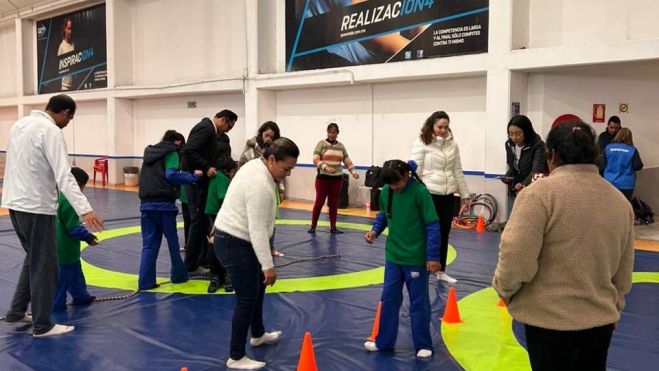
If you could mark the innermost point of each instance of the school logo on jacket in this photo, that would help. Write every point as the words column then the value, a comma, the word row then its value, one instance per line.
column 415, row 275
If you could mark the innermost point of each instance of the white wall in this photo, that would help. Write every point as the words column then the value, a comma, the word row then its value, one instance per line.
column 86, row 133
column 8, row 115
column 380, row 122
column 569, row 23
column 576, row 90
column 152, row 117
column 8, row 61
column 181, row 41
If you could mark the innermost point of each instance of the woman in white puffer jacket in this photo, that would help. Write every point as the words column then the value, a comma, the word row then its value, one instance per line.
column 438, row 159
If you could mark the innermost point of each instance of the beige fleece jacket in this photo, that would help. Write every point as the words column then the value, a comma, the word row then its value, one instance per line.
column 566, row 255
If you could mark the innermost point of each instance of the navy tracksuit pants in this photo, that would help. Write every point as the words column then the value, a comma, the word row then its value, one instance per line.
column 416, row 280
column 155, row 224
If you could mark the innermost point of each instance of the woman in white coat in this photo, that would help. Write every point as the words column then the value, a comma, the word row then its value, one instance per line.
column 438, row 159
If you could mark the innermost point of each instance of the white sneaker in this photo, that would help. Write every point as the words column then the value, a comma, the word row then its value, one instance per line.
column 370, row 346
column 445, row 277
column 424, row 353
column 56, row 330
column 266, row 338
column 244, row 364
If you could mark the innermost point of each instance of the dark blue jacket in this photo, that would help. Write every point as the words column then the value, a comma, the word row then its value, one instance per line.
column 621, row 163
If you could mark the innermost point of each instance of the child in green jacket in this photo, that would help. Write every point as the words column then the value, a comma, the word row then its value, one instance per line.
column 69, row 232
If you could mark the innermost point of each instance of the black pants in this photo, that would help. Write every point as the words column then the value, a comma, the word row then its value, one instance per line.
column 185, row 210
column 628, row 193
column 197, row 244
column 213, row 263
column 244, row 269
column 568, row 350
column 37, row 283
column 445, row 206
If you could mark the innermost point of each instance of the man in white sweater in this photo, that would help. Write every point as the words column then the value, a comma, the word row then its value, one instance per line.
column 244, row 225
column 36, row 168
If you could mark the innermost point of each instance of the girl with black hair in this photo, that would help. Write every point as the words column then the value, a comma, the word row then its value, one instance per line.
column 525, row 156
column 159, row 188
column 566, row 257
column 411, row 251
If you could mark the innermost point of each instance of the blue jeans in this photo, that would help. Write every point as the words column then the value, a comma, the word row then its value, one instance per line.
column 71, row 280
column 154, row 225
column 416, row 280
column 238, row 258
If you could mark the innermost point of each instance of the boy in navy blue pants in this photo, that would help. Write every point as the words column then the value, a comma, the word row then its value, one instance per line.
column 69, row 232
column 411, row 251
column 159, row 182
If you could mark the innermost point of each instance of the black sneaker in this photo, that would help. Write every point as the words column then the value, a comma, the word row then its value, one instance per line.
column 228, row 287
column 214, row 284
column 336, row 231
column 312, row 230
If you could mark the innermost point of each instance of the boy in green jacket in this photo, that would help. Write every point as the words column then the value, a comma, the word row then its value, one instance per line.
column 69, row 232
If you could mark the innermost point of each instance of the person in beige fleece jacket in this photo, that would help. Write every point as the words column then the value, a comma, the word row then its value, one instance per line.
column 566, row 257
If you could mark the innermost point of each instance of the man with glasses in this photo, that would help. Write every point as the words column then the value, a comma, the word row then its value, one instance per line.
column 606, row 137
column 206, row 142
column 37, row 167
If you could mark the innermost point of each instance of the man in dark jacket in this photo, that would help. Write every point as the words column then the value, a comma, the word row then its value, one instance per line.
column 606, row 137
column 159, row 189
column 206, row 141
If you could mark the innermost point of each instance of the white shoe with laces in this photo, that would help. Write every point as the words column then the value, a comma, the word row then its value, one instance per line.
column 424, row 353
column 56, row 330
column 266, row 338
column 244, row 364
column 442, row 276
column 370, row 346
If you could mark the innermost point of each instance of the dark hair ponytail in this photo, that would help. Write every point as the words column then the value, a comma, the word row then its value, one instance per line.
column 393, row 171
column 573, row 143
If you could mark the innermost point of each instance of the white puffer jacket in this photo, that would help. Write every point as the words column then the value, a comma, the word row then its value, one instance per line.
column 439, row 166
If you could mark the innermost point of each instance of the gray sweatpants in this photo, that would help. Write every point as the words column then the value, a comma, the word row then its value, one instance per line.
column 38, row 280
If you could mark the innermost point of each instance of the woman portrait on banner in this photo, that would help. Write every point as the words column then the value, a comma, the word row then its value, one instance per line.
column 66, row 46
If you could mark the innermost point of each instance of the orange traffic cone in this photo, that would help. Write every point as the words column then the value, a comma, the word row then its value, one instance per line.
column 307, row 358
column 376, row 324
column 184, row 368
column 451, row 312
column 501, row 303
column 480, row 224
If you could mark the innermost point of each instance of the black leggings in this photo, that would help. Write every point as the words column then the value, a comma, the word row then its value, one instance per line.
column 445, row 206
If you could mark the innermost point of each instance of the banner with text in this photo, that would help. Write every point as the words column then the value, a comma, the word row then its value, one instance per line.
column 71, row 51
column 338, row 33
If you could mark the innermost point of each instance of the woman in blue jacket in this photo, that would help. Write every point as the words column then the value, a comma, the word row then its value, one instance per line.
column 621, row 162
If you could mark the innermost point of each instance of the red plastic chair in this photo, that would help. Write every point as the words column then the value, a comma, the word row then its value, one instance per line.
column 101, row 166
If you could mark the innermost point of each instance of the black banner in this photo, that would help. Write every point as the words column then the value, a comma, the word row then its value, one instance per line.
column 71, row 51
column 336, row 33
